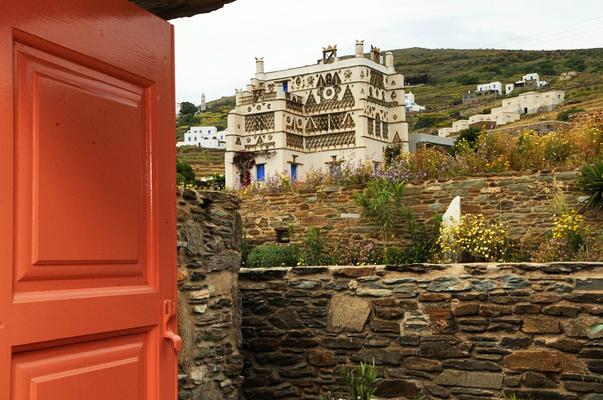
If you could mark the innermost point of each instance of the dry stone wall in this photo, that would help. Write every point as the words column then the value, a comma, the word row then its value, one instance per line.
column 525, row 202
column 446, row 331
column 209, row 240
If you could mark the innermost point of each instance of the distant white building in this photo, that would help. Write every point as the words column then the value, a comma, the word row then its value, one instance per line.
column 490, row 87
column 531, row 80
column 533, row 76
column 509, row 87
column 206, row 137
column 510, row 110
column 410, row 104
column 534, row 102
column 178, row 105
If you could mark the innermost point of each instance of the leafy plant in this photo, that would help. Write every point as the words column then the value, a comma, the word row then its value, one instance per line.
column 184, row 173
column 591, row 183
column 595, row 329
column 382, row 202
column 392, row 153
column 360, row 382
column 508, row 396
column 422, row 246
column 314, row 248
column 570, row 239
column 245, row 249
column 269, row 255
column 566, row 114
column 470, row 136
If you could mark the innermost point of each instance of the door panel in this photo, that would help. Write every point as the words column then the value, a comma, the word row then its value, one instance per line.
column 70, row 371
column 87, row 202
column 62, row 109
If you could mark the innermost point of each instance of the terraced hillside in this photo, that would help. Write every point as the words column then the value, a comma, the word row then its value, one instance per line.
column 439, row 77
column 205, row 162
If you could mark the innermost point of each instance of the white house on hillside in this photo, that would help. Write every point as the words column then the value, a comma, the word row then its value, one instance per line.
column 509, row 87
column 510, row 110
column 490, row 87
column 206, row 137
column 409, row 103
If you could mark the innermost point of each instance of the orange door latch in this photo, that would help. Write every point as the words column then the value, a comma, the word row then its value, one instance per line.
column 169, row 319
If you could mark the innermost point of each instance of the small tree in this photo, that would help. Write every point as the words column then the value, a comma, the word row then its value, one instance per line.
column 382, row 201
column 184, row 173
column 470, row 136
column 187, row 108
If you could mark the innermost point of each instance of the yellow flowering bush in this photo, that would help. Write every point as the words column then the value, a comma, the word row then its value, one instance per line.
column 570, row 239
column 568, row 225
column 473, row 239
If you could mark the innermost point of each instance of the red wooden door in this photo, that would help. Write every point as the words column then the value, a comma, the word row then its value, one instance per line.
column 87, row 202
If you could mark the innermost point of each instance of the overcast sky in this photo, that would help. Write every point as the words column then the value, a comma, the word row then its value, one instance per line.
column 215, row 52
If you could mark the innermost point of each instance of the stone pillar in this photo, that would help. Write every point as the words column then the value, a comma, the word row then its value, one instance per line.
column 359, row 48
column 210, row 365
column 389, row 59
column 259, row 67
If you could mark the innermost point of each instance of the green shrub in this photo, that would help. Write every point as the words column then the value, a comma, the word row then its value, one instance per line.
column 395, row 256
column 566, row 114
column 469, row 136
column 382, row 202
column 422, row 246
column 468, row 80
column 245, row 250
column 547, row 68
column 314, row 250
column 576, row 63
column 591, row 183
column 358, row 383
column 269, row 255
column 428, row 121
column 392, row 153
column 184, row 173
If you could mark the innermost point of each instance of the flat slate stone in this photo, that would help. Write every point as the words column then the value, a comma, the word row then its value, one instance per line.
column 481, row 380
column 348, row 313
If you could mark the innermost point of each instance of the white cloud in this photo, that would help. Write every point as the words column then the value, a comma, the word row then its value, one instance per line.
column 215, row 52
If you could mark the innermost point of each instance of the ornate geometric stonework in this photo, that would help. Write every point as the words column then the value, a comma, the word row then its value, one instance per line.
column 377, row 79
column 331, row 140
column 329, row 100
column 295, row 141
column 259, row 122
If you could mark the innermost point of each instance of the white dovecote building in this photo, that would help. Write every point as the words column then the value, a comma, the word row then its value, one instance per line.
column 315, row 117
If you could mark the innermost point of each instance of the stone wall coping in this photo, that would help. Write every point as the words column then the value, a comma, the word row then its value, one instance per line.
column 573, row 269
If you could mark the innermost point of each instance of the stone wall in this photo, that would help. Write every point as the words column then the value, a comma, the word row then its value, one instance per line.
column 448, row 331
column 525, row 202
column 209, row 240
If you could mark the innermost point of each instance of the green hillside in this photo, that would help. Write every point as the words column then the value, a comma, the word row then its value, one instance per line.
column 215, row 115
column 448, row 73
